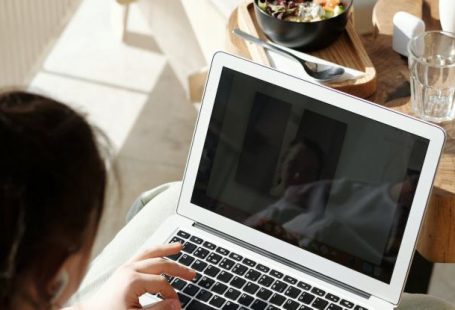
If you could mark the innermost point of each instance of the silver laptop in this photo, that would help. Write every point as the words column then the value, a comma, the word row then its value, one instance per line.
column 297, row 196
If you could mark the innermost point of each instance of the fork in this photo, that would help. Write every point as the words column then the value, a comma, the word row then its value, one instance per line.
column 317, row 71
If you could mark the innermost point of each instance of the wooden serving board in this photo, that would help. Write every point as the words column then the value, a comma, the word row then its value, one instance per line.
column 347, row 51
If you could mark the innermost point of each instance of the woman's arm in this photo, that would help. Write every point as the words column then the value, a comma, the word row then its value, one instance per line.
column 142, row 274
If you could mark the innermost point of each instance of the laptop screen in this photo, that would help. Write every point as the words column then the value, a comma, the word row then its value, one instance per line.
column 321, row 178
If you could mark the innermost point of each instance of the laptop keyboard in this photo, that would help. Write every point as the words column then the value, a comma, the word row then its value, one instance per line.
column 229, row 281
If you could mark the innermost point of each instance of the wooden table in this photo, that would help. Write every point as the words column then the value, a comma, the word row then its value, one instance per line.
column 437, row 237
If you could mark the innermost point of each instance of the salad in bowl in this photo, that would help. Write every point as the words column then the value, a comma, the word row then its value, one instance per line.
column 302, row 11
column 303, row 24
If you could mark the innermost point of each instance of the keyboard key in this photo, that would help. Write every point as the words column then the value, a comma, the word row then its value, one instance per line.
column 183, row 299
column 258, row 305
column 304, row 285
column 334, row 307
column 332, row 297
column 306, row 298
column 204, row 295
column 214, row 258
column 320, row 304
column 272, row 307
column 226, row 263
column 252, row 275
column 229, row 305
column 232, row 293
column 317, row 291
column 249, row 262
column 217, row 301
column 186, row 260
column 222, row 251
column 235, row 256
column 239, row 269
column 225, row 276
column 291, row 305
column 197, row 277
column 191, row 289
column 178, row 284
column 219, row 288
column 175, row 256
column 265, row 280
column 245, row 300
column 211, row 271
column 197, row 305
column 346, row 303
column 279, row 286
column 238, row 282
column 262, row 268
column 199, row 265
column 189, row 247
column 290, row 280
column 206, row 282
column 303, row 307
column 196, row 240
column 292, row 292
column 201, row 253
column 277, row 299
column 209, row 245
column 251, row 288
column 360, row 308
column 264, row 293
column 183, row 234
column 177, row 239
column 276, row 274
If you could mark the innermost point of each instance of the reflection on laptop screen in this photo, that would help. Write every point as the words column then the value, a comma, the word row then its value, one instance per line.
column 316, row 176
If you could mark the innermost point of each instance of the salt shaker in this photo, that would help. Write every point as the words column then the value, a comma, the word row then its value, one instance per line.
column 405, row 27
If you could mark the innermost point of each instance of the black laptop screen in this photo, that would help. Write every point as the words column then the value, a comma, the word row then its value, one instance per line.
column 316, row 176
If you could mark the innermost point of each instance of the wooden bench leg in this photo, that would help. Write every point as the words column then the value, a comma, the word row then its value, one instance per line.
column 196, row 82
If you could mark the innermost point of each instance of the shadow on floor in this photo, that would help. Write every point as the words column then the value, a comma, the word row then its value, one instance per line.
column 154, row 152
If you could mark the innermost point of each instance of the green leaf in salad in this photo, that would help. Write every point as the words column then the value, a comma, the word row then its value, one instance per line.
column 338, row 10
column 262, row 4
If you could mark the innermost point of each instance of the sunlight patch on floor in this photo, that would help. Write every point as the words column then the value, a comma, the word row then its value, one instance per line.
column 91, row 69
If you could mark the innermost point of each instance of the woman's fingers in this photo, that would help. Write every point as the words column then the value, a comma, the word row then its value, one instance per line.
column 160, row 265
column 159, row 251
column 148, row 283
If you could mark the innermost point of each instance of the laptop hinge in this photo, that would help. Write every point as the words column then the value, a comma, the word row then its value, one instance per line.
column 282, row 260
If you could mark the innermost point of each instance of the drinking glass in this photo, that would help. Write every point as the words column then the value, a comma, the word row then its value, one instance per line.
column 432, row 69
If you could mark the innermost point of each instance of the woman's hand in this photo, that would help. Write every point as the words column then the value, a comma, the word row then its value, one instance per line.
column 140, row 275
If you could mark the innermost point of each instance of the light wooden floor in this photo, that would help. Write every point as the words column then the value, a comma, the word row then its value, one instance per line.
column 133, row 90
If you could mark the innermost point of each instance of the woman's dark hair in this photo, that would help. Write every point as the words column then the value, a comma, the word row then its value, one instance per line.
column 52, row 183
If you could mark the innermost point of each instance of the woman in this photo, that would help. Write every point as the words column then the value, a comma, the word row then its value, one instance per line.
column 52, row 185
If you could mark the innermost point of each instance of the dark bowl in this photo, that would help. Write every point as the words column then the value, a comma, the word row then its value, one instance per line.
column 304, row 36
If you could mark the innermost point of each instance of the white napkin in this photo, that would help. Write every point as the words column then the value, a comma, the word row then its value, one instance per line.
column 286, row 64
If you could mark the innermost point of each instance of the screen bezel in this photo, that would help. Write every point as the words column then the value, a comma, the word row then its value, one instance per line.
column 390, row 292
